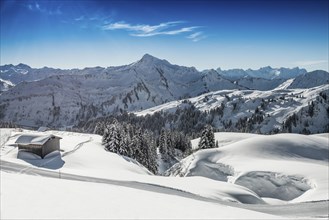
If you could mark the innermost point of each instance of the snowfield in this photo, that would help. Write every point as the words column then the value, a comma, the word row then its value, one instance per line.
column 248, row 176
column 43, row 198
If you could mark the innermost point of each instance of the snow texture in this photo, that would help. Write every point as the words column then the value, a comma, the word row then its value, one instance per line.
column 246, row 169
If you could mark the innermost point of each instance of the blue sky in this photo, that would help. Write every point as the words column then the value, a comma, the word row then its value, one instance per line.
column 205, row 34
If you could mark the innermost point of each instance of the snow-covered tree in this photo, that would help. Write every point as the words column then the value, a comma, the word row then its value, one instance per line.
column 203, row 143
column 163, row 147
column 144, row 150
column 211, row 137
column 149, row 151
column 207, row 139
column 99, row 128
column 113, row 138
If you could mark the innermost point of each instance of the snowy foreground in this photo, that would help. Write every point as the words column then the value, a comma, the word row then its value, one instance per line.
column 248, row 177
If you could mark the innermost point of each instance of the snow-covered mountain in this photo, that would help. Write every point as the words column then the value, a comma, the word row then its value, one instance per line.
column 54, row 97
column 264, row 72
column 5, row 85
column 310, row 79
column 285, row 110
column 60, row 100
column 22, row 72
column 259, row 83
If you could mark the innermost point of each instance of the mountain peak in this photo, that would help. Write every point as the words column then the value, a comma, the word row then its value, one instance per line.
column 150, row 60
column 23, row 66
column 266, row 68
column 148, row 57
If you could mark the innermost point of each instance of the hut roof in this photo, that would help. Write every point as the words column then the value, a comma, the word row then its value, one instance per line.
column 27, row 139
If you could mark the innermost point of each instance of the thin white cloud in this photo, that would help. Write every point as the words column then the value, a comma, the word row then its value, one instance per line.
column 81, row 18
column 37, row 7
column 197, row 36
column 91, row 21
column 309, row 62
column 172, row 32
column 145, row 30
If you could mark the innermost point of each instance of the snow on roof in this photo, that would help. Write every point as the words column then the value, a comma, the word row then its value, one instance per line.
column 34, row 139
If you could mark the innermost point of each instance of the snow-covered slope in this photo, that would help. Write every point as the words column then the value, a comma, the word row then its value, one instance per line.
column 264, row 111
column 110, row 186
column 259, row 83
column 84, row 200
column 83, row 154
column 5, row 85
column 311, row 79
column 288, row 167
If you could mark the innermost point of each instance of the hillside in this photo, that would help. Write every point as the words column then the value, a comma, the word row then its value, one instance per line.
column 311, row 79
column 278, row 110
column 83, row 169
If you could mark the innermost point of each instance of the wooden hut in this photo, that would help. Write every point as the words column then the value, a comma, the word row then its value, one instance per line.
column 38, row 144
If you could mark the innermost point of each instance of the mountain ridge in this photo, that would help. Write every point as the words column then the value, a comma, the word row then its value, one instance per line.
column 63, row 97
column 264, row 72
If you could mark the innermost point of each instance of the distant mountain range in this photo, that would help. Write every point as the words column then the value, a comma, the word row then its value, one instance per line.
column 23, row 72
column 265, row 73
column 55, row 97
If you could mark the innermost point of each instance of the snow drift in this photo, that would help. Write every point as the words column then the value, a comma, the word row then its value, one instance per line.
column 289, row 167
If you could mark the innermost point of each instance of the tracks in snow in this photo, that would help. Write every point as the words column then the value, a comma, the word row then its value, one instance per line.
column 77, row 147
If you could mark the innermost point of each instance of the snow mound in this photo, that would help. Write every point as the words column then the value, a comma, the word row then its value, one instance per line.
column 55, row 153
column 52, row 160
column 26, row 155
column 274, row 185
column 204, row 168
column 216, row 171
column 288, row 167
column 282, row 146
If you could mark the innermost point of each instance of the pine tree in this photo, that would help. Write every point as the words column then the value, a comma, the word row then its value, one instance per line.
column 153, row 165
column 106, row 133
column 207, row 139
column 203, row 143
column 113, row 138
column 136, row 146
column 126, row 140
column 170, row 144
column 211, row 137
column 149, row 152
column 99, row 128
column 163, row 148
column 144, row 151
